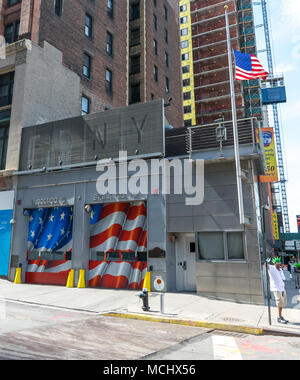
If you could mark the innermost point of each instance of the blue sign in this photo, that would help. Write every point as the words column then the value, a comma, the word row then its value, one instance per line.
column 5, row 234
column 273, row 95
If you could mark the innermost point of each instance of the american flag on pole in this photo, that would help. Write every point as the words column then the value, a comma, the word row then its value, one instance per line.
column 247, row 66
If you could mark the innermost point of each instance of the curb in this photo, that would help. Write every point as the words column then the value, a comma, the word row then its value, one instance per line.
column 269, row 331
column 192, row 323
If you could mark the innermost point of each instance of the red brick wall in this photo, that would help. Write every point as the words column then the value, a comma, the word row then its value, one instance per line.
column 67, row 34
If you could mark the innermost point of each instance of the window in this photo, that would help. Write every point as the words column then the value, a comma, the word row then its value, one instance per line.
column 135, row 95
column 188, row 123
column 166, row 36
column 108, row 80
column 235, row 246
column 134, row 37
column 221, row 246
column 167, row 85
column 134, row 11
column 154, row 22
column 110, row 8
column 3, row 145
column 87, row 63
column 6, row 88
column 155, row 3
column 186, row 69
column 109, row 43
column 88, row 30
column 184, row 32
column 135, row 64
column 85, row 105
column 187, row 95
column 155, row 47
column 9, row 3
column 185, row 57
column 187, row 109
column 165, row 13
column 167, row 59
column 184, row 44
column 11, row 32
column 183, row 20
column 183, row 8
column 58, row 5
column 155, row 73
column 186, row 82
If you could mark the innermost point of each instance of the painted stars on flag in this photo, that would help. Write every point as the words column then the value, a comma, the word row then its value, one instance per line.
column 50, row 229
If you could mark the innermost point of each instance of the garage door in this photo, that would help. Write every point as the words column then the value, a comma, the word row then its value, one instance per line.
column 118, row 245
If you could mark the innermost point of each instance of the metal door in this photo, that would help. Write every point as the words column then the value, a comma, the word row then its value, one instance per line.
column 185, row 263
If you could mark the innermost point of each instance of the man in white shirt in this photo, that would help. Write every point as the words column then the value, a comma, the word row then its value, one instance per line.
column 277, row 286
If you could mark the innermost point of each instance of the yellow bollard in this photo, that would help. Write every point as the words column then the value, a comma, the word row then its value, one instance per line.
column 18, row 279
column 147, row 282
column 70, row 282
column 81, row 282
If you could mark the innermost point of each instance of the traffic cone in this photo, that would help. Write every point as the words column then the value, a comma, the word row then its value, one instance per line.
column 70, row 282
column 18, row 279
column 147, row 282
column 81, row 282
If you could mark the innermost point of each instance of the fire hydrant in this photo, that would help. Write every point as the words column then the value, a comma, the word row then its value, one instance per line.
column 144, row 296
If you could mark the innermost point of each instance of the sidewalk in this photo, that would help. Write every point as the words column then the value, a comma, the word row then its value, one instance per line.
column 181, row 308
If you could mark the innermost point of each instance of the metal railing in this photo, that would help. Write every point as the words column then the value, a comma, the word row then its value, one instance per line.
column 203, row 137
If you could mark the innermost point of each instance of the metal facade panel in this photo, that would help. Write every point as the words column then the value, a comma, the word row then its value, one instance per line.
column 137, row 129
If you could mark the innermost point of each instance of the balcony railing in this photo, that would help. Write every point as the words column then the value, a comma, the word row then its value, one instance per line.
column 204, row 137
column 201, row 141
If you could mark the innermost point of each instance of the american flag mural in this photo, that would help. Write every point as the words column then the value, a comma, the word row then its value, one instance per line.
column 120, row 228
column 50, row 230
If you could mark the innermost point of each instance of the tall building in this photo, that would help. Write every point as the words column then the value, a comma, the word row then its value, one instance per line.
column 203, row 27
column 123, row 51
column 154, row 56
column 59, row 61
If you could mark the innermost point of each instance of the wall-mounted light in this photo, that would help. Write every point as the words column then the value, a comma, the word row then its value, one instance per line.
column 88, row 209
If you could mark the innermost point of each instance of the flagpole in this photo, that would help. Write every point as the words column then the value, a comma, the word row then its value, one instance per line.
column 234, row 122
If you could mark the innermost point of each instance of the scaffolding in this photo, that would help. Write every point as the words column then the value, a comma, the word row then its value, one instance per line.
column 252, row 93
column 281, row 170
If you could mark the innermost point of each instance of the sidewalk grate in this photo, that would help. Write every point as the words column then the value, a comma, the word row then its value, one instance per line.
column 229, row 333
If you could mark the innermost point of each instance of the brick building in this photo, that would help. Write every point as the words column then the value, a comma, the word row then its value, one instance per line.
column 109, row 44
column 208, row 56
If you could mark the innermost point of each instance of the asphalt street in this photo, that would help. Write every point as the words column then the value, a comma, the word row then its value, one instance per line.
column 47, row 333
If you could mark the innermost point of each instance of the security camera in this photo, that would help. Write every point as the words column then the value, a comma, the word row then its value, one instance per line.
column 12, row 222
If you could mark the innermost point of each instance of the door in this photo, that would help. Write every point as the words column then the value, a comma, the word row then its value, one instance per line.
column 6, row 214
column 186, row 263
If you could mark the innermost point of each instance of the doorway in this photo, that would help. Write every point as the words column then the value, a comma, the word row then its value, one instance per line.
column 186, row 263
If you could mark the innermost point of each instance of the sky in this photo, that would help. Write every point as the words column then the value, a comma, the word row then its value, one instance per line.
column 284, row 19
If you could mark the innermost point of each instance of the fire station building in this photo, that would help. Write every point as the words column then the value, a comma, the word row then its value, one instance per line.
column 121, row 193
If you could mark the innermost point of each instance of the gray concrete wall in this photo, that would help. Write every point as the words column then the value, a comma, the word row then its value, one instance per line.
column 240, row 281
column 44, row 90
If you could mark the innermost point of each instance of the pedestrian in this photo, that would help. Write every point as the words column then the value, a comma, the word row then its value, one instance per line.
column 292, row 268
column 277, row 287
